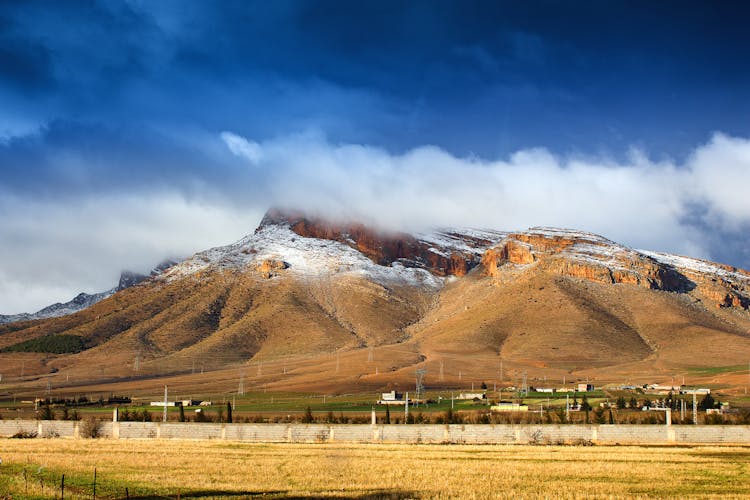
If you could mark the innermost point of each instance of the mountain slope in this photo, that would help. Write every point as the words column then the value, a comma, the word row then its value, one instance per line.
column 305, row 303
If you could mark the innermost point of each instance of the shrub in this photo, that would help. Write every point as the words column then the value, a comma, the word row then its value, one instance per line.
column 714, row 419
column 24, row 435
column 90, row 428
column 54, row 344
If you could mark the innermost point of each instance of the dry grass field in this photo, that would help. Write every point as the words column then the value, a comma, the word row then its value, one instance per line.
column 192, row 469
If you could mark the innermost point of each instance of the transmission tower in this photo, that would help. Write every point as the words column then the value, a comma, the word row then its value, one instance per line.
column 442, row 371
column 370, row 357
column 524, row 385
column 137, row 363
column 241, row 388
column 337, row 361
column 420, row 382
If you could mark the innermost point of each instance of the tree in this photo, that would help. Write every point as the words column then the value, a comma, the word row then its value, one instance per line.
column 45, row 412
column 182, row 413
column 308, row 417
column 621, row 403
column 484, row 386
column 611, row 418
column 585, row 406
column 599, row 415
column 387, row 414
column 633, row 402
column 707, row 402
column 229, row 412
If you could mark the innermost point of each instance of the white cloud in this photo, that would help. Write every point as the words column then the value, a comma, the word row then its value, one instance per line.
column 53, row 250
column 56, row 248
column 720, row 175
column 638, row 202
column 242, row 147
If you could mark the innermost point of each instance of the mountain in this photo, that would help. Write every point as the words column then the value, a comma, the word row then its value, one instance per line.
column 306, row 303
column 84, row 300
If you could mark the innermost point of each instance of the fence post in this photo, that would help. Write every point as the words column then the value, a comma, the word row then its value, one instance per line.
column 94, row 483
column 62, row 488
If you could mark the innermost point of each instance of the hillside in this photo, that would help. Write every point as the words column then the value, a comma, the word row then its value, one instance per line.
column 309, row 304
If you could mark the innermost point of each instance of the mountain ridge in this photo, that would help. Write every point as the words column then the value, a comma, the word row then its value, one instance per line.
column 85, row 300
column 296, row 295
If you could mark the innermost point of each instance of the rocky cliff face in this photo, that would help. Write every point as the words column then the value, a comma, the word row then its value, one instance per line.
column 577, row 254
column 591, row 257
column 386, row 248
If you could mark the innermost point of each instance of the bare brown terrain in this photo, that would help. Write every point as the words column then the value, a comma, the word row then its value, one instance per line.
column 313, row 314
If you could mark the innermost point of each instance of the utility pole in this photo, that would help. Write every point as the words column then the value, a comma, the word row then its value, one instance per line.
column 442, row 372
column 406, row 408
column 370, row 356
column 682, row 410
column 241, row 388
column 695, row 410
column 164, row 415
column 567, row 407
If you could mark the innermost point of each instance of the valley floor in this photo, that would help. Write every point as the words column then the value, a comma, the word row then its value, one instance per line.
column 210, row 469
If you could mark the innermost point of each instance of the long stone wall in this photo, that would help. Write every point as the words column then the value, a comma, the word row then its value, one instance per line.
column 457, row 434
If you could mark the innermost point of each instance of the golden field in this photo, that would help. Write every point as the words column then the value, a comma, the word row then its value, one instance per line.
column 205, row 469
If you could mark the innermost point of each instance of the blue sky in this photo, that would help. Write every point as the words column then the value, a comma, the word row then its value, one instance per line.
column 134, row 130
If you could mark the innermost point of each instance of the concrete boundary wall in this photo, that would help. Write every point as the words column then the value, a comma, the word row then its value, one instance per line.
column 359, row 433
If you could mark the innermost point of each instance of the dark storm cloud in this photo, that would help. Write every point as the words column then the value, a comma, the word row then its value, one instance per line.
column 70, row 159
column 510, row 75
